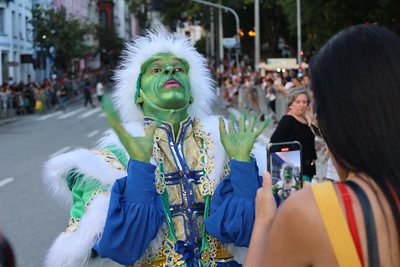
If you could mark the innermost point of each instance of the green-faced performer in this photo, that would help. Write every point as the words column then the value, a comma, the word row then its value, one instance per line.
column 168, row 185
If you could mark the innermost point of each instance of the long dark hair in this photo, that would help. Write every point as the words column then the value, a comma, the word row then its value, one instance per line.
column 355, row 78
column 6, row 254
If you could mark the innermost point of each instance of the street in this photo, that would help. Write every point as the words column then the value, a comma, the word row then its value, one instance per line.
column 29, row 217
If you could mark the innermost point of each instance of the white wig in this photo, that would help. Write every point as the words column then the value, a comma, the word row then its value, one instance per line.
column 139, row 51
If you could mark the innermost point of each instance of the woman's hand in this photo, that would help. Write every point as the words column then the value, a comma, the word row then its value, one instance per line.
column 265, row 214
column 265, row 202
column 238, row 145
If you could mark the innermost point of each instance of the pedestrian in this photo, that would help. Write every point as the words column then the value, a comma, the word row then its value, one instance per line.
column 62, row 96
column 355, row 222
column 271, row 96
column 87, row 92
column 99, row 91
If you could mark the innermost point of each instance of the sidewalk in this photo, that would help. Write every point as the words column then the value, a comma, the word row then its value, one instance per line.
column 15, row 117
column 8, row 120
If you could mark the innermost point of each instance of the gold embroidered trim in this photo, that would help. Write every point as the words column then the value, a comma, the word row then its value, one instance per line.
column 73, row 224
column 95, row 193
column 110, row 158
column 152, row 258
column 206, row 186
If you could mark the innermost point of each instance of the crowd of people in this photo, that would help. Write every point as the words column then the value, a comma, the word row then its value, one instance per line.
column 29, row 98
column 266, row 94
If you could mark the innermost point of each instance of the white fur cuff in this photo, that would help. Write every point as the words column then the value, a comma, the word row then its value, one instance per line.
column 73, row 250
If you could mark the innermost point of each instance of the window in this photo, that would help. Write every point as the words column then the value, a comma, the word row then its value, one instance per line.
column 21, row 29
column 14, row 25
column 27, row 29
column 2, row 21
column 103, row 18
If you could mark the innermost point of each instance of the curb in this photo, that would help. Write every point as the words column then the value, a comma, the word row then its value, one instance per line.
column 8, row 121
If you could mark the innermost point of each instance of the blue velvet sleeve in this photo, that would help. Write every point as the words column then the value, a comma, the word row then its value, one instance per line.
column 134, row 216
column 232, row 209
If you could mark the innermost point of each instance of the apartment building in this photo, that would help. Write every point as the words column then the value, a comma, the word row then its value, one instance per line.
column 16, row 41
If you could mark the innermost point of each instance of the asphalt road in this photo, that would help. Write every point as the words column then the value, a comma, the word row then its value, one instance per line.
column 29, row 218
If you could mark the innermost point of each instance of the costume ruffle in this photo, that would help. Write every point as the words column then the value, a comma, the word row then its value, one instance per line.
column 134, row 216
column 232, row 210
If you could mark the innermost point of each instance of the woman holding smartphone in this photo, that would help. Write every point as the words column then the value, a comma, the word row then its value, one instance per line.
column 294, row 127
column 354, row 222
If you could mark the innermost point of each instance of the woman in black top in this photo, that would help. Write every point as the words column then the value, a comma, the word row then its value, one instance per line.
column 293, row 127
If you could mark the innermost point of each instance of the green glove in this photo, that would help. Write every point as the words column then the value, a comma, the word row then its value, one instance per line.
column 139, row 148
column 238, row 145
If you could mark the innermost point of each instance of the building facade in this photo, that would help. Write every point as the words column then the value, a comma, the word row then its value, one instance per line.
column 16, row 46
column 113, row 13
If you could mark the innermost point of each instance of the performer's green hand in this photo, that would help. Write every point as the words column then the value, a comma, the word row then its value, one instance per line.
column 238, row 145
column 139, row 148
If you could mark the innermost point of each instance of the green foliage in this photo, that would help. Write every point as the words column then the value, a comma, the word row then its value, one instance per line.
column 110, row 45
column 321, row 19
column 201, row 45
column 51, row 28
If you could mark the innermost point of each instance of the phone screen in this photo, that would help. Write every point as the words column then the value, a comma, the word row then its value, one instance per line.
column 284, row 164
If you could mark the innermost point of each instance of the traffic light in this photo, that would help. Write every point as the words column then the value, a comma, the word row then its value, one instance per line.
column 241, row 33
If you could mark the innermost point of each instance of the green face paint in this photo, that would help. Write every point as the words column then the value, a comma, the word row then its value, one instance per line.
column 165, row 83
column 288, row 173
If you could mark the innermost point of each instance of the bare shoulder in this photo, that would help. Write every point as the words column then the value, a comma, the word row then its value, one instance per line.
column 299, row 229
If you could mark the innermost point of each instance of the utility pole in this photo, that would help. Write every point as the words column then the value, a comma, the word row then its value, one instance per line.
column 237, row 48
column 298, row 33
column 212, row 32
column 220, row 37
column 257, row 30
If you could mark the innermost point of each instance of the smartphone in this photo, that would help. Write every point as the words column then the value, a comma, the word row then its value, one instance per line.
column 284, row 165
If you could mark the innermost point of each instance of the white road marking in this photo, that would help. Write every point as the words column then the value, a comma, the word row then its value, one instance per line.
column 102, row 115
column 48, row 116
column 89, row 113
column 92, row 133
column 6, row 181
column 69, row 114
column 58, row 152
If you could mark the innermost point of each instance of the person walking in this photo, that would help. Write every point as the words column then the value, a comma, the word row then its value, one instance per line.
column 87, row 93
column 99, row 91
column 63, row 95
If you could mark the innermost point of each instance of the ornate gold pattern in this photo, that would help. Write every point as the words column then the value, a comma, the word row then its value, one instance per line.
column 95, row 193
column 110, row 158
column 195, row 152
column 72, row 225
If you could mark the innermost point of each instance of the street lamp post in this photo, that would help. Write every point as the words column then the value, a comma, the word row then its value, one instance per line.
column 298, row 34
column 258, row 35
column 237, row 48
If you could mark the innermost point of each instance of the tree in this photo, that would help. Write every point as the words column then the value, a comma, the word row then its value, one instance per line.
column 110, row 45
column 52, row 31
column 171, row 11
column 321, row 19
